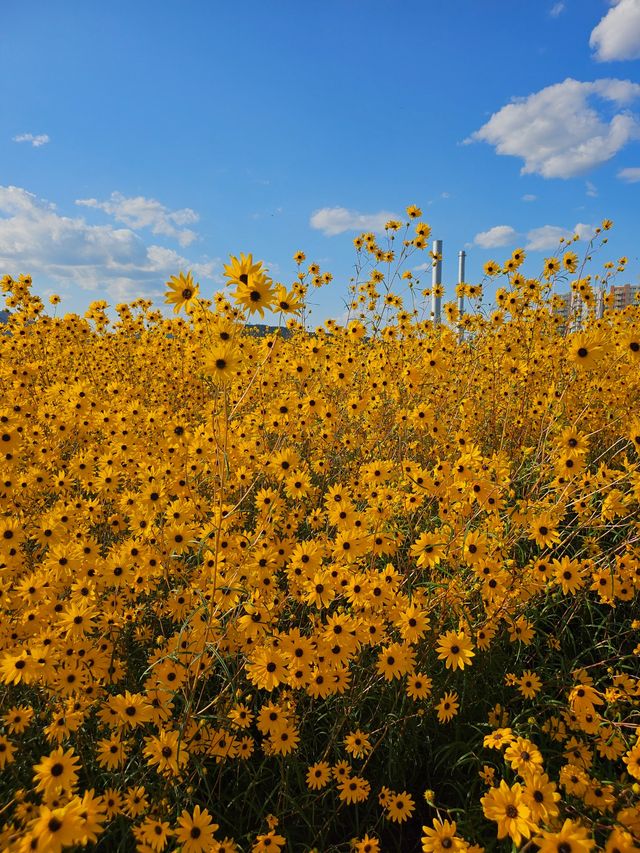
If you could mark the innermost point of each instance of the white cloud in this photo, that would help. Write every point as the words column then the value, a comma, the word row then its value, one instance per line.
column 499, row 235
column 337, row 220
column 529, row 197
column 36, row 141
column 584, row 231
column 592, row 190
column 557, row 131
column 557, row 9
column 35, row 239
column 630, row 175
column 547, row 237
column 140, row 212
column 617, row 36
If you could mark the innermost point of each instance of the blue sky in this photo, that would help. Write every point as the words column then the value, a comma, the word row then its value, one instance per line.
column 137, row 139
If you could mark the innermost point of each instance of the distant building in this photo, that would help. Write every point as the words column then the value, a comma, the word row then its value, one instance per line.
column 562, row 305
column 624, row 295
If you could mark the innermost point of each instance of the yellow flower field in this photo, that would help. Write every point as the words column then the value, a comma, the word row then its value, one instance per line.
column 368, row 587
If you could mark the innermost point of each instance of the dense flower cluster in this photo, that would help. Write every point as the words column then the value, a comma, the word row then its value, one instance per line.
column 260, row 591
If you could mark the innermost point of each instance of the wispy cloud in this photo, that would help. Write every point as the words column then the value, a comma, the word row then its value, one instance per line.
column 558, row 132
column 36, row 141
column 115, row 261
column 139, row 212
column 529, row 197
column 617, row 35
column 630, row 175
column 336, row 220
column 592, row 190
column 557, row 9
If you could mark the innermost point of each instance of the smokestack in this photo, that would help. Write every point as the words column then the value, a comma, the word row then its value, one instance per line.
column 462, row 256
column 436, row 279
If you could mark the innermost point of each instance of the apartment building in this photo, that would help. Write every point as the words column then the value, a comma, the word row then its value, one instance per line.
column 624, row 295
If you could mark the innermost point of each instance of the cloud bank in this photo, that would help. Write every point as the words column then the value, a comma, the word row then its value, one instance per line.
column 558, row 132
column 36, row 239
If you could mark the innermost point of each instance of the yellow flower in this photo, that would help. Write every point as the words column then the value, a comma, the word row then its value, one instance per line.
column 442, row 838
column 58, row 827
column 368, row 844
column 287, row 301
column 354, row 789
column 543, row 530
column 585, row 350
column 523, row 755
column 418, row 686
column 551, row 266
column 632, row 760
column 400, row 807
column 529, row 684
column 318, row 775
column 429, row 548
column 7, row 750
column 505, row 805
column 455, row 649
column 268, row 843
column 57, row 771
column 222, row 363
column 166, row 752
column 256, row 295
column 182, row 291
column 572, row 837
column 357, row 744
column 447, row 707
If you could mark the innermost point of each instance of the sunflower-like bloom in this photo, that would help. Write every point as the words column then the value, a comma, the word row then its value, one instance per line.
column 254, row 289
column 586, row 350
column 182, row 291
column 400, row 807
column 543, row 530
column 506, row 806
column 239, row 271
column 256, row 295
column 572, row 836
column 222, row 363
column 447, row 707
column 195, row 831
column 442, row 838
column 166, row 752
column 58, row 827
column 455, row 649
column 57, row 771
